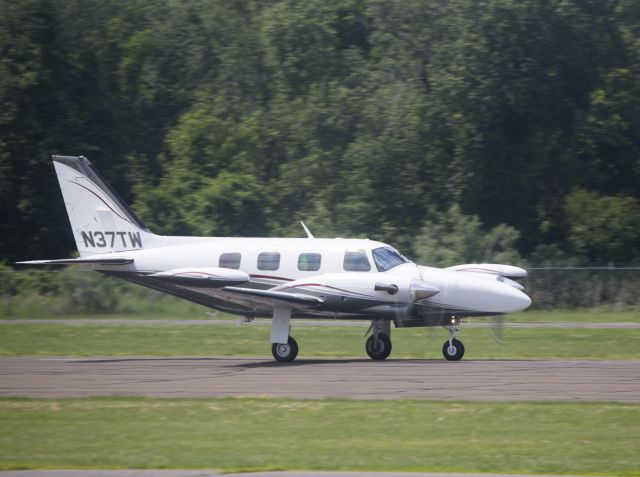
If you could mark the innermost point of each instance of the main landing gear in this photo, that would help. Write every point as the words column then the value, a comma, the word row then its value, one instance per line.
column 285, row 352
column 453, row 349
column 378, row 345
column 283, row 347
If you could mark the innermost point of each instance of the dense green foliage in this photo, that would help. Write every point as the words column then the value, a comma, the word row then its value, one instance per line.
column 71, row 291
column 416, row 122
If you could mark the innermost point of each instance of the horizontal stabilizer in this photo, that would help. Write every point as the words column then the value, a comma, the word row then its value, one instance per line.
column 277, row 297
column 81, row 261
column 203, row 277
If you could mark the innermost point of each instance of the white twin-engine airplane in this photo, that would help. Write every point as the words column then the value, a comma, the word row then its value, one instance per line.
column 282, row 278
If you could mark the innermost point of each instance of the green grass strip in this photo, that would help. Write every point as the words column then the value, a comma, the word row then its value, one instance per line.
column 188, row 311
column 253, row 340
column 590, row 315
column 506, row 437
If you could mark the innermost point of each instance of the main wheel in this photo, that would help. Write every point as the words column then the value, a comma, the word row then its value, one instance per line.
column 380, row 351
column 453, row 351
column 285, row 352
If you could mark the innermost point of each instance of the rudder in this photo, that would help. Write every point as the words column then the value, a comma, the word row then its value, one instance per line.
column 101, row 221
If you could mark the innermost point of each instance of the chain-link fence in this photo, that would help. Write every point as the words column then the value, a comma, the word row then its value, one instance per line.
column 71, row 291
column 614, row 285
column 65, row 291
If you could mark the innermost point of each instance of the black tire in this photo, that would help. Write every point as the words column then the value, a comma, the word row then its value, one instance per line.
column 455, row 353
column 285, row 353
column 383, row 349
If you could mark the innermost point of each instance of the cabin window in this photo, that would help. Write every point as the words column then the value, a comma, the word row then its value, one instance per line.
column 269, row 261
column 356, row 261
column 386, row 258
column 229, row 260
column 309, row 262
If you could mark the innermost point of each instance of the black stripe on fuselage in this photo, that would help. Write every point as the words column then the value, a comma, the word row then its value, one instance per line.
column 218, row 299
column 340, row 306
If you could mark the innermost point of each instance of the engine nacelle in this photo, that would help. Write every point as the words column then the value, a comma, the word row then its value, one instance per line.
column 507, row 271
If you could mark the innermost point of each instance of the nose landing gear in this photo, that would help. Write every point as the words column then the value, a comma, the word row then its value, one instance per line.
column 453, row 349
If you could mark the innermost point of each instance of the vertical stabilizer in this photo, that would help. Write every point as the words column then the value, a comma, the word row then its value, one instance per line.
column 100, row 220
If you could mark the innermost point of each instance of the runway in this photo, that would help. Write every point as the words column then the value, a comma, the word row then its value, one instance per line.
column 322, row 378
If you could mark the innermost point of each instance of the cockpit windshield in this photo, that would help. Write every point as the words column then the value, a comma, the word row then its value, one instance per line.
column 387, row 258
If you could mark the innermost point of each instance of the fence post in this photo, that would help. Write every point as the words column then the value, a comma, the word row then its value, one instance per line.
column 610, row 283
column 11, row 292
column 547, row 292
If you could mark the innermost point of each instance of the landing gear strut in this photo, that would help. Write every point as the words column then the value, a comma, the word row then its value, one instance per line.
column 453, row 349
column 283, row 347
column 378, row 345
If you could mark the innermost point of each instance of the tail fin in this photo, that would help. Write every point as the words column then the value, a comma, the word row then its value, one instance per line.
column 100, row 219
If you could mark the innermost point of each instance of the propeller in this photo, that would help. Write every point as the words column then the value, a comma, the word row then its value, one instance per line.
column 495, row 330
column 418, row 311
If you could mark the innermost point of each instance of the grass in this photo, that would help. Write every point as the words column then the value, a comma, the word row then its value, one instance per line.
column 596, row 315
column 111, row 433
column 179, row 310
column 253, row 340
column 265, row 434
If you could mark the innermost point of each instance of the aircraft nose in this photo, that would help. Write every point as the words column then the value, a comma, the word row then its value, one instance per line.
column 485, row 295
column 512, row 300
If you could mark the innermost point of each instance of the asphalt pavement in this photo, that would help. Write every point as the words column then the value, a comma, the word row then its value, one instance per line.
column 350, row 378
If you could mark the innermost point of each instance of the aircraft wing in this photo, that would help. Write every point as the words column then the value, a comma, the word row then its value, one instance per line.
column 80, row 261
column 275, row 298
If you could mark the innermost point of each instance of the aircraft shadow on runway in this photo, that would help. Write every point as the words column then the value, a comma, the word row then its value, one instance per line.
column 250, row 362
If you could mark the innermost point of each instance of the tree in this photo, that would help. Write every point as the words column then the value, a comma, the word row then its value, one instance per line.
column 363, row 117
column 609, row 140
column 603, row 228
column 454, row 238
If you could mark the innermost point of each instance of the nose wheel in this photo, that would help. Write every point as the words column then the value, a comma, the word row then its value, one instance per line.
column 453, row 349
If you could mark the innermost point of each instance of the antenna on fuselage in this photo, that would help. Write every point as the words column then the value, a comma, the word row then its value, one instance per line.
column 309, row 234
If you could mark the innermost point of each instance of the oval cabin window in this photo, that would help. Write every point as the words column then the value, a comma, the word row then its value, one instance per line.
column 356, row 261
column 309, row 262
column 229, row 260
column 268, row 261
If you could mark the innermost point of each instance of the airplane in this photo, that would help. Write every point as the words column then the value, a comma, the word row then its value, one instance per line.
column 282, row 278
